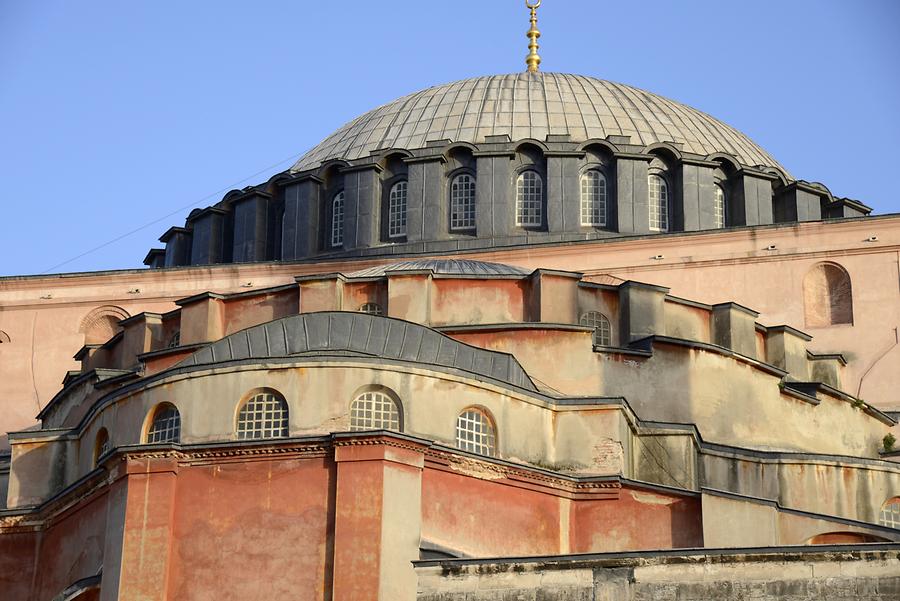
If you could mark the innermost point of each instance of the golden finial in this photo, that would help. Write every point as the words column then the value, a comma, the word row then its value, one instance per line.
column 533, row 60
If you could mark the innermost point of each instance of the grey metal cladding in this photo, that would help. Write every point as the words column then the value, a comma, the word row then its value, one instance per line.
column 339, row 330
column 412, row 342
column 259, row 343
column 275, row 338
column 359, row 335
column 295, row 330
column 362, row 333
column 240, row 345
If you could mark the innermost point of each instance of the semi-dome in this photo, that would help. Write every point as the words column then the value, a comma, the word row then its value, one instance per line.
column 533, row 105
column 460, row 267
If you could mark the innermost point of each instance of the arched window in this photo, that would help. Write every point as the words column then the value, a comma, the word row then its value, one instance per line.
column 264, row 415
column 593, row 198
column 827, row 296
column 659, row 203
column 4, row 337
column 890, row 513
column 371, row 309
column 337, row 220
column 165, row 425
column 397, row 210
column 602, row 335
column 374, row 411
column 462, row 202
column 102, row 446
column 475, row 432
column 175, row 340
column 529, row 195
column 719, row 207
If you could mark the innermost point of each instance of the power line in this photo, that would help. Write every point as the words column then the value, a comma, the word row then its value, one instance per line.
column 293, row 157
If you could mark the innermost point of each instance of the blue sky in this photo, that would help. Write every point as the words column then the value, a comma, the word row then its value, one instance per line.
column 116, row 114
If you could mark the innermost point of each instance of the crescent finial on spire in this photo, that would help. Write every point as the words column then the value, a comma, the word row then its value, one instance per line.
column 533, row 60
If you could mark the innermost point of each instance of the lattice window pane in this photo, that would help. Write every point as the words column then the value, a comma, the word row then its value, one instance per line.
column 890, row 514
column 475, row 433
column 166, row 426
column 397, row 210
column 374, row 411
column 265, row 415
column 337, row 220
column 529, row 194
column 371, row 309
column 602, row 335
column 593, row 198
column 719, row 208
column 462, row 202
column 659, row 204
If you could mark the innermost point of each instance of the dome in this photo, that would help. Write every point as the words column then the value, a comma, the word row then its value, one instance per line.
column 460, row 267
column 533, row 105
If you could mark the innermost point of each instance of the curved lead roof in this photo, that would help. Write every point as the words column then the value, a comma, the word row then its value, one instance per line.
column 533, row 105
column 460, row 267
column 360, row 334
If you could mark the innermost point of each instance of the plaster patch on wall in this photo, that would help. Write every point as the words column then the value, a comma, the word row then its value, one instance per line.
column 649, row 499
column 609, row 457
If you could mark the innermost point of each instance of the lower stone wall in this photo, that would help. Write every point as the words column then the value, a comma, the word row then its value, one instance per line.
column 834, row 572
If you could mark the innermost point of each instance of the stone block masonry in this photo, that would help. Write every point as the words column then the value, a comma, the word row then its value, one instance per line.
column 834, row 572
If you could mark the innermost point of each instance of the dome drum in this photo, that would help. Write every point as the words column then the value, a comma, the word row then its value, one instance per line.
column 544, row 158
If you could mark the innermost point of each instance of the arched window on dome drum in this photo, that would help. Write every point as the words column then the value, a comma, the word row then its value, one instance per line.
column 659, row 203
column 337, row 220
column 719, row 207
column 462, row 202
column 165, row 425
column 827, row 296
column 890, row 513
column 529, row 199
column 475, row 432
column 264, row 415
column 371, row 309
column 374, row 411
column 397, row 210
column 593, row 198
column 602, row 335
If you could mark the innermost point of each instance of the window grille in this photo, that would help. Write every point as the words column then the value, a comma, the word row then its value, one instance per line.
column 529, row 195
column 462, row 202
column 719, row 207
column 397, row 210
column 175, row 340
column 166, row 425
column 374, row 411
column 593, row 198
column 265, row 415
column 475, row 432
column 337, row 220
column 890, row 513
column 102, row 445
column 602, row 335
column 659, row 204
column 371, row 309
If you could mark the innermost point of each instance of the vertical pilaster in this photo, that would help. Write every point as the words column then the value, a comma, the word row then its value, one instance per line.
column 377, row 518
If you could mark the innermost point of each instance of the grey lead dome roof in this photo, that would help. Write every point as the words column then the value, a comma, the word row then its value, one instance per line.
column 525, row 105
column 461, row 267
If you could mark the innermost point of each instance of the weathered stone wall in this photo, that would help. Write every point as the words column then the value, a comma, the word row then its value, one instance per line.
column 839, row 573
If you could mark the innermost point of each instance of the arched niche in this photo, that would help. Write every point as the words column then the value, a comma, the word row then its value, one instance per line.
column 827, row 296
column 102, row 323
